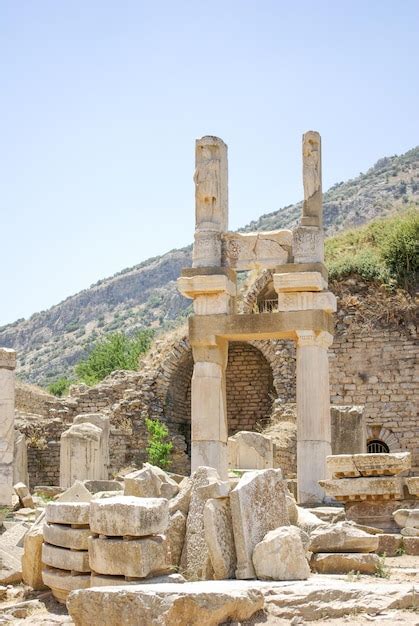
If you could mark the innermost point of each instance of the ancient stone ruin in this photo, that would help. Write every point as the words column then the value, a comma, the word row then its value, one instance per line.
column 277, row 524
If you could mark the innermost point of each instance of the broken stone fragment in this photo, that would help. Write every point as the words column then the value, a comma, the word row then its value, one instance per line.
column 219, row 537
column 175, row 535
column 341, row 537
column 344, row 563
column 281, row 556
column 407, row 517
column 150, row 482
column 32, row 558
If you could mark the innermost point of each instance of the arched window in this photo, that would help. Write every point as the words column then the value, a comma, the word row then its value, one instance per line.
column 376, row 445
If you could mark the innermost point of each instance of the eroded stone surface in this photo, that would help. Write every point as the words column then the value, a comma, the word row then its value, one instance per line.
column 353, row 465
column 206, row 603
column 281, row 556
column 32, row 558
column 250, row 450
column 389, row 544
column 219, row 537
column 66, row 537
column 135, row 558
column 343, row 563
column 63, row 582
column 407, row 517
column 67, row 513
column 129, row 515
column 176, row 536
column 63, row 558
column 150, row 482
column 363, row 488
column 341, row 537
column 258, row 505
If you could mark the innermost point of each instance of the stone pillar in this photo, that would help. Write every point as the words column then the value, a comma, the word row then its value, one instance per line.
column 313, row 414
column 209, row 407
column 211, row 201
column 20, row 460
column 7, row 422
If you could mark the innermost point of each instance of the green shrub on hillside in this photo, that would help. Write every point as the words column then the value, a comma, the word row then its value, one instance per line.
column 385, row 250
column 115, row 352
column 60, row 387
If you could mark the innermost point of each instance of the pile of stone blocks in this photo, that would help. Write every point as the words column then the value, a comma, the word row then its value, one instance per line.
column 370, row 486
column 127, row 539
column 342, row 548
column 65, row 554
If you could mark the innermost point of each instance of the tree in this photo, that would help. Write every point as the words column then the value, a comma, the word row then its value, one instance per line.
column 115, row 352
column 158, row 449
column 60, row 387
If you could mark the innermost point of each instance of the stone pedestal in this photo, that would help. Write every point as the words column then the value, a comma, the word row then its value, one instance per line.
column 209, row 408
column 7, row 420
column 313, row 414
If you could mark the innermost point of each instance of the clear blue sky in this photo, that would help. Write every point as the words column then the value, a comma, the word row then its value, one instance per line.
column 101, row 102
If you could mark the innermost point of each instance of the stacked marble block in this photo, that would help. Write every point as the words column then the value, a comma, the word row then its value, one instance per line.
column 127, row 541
column 408, row 521
column 65, row 554
column 370, row 486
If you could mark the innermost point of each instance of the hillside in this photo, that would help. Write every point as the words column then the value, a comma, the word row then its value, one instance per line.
column 49, row 343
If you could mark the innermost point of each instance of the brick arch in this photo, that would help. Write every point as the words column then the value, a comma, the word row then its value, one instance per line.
column 261, row 283
column 385, row 435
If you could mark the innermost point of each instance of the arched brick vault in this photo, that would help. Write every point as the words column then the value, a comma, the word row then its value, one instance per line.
column 249, row 382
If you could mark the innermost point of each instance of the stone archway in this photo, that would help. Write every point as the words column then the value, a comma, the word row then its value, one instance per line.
column 249, row 381
column 385, row 435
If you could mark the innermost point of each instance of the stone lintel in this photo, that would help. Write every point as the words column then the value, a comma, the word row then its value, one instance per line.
column 302, row 267
column 209, row 271
column 307, row 301
column 204, row 329
column 7, row 359
column 256, row 250
column 364, row 488
column 299, row 281
column 209, row 285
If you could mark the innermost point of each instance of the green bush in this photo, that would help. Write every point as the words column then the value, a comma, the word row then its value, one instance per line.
column 116, row 351
column 158, row 449
column 60, row 387
column 385, row 250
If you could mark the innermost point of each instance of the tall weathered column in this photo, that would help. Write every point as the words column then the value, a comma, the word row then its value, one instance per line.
column 211, row 200
column 209, row 408
column 7, row 423
column 313, row 413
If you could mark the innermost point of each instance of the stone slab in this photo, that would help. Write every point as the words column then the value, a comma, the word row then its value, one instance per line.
column 299, row 281
column 63, row 558
column 258, row 505
column 256, row 250
column 206, row 603
column 129, row 515
column 355, row 465
column 63, row 582
column 306, row 301
column 364, row 488
column 344, row 563
column 407, row 517
column 135, row 558
column 32, row 558
column 66, row 537
column 250, row 450
column 218, row 528
column 389, row 544
column 102, row 580
column 411, row 545
column 68, row 513
column 341, row 537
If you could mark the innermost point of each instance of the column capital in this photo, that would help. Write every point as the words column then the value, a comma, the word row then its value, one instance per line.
column 7, row 359
column 306, row 338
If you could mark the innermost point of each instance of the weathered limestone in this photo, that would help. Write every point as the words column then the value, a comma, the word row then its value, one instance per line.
column 308, row 521
column 135, row 558
column 128, row 515
column 343, row 563
column 281, row 556
column 181, row 501
column 150, row 482
column 195, row 561
column 364, row 488
column 20, row 460
column 24, row 496
column 313, row 414
column 10, row 568
column 349, row 432
column 307, row 300
column 258, row 505
column 32, row 558
column 412, row 484
column 407, row 518
column 7, row 421
column 175, row 535
column 389, row 544
column 68, row 513
column 411, row 545
column 308, row 244
column 211, row 200
column 250, row 450
column 212, row 294
column 264, row 250
column 218, row 528
column 299, row 281
column 206, row 603
column 341, row 537
column 355, row 465
column 84, row 451
column 65, row 559
column 312, row 180
column 377, row 512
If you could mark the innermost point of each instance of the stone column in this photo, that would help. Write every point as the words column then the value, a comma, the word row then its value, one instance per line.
column 313, row 414
column 7, row 422
column 209, row 407
column 211, row 201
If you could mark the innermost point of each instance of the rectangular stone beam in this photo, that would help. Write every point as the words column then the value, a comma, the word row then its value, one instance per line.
column 251, row 326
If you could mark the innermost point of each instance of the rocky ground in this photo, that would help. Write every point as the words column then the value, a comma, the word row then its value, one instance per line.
column 323, row 600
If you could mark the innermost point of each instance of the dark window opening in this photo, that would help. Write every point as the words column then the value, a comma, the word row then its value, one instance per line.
column 376, row 445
